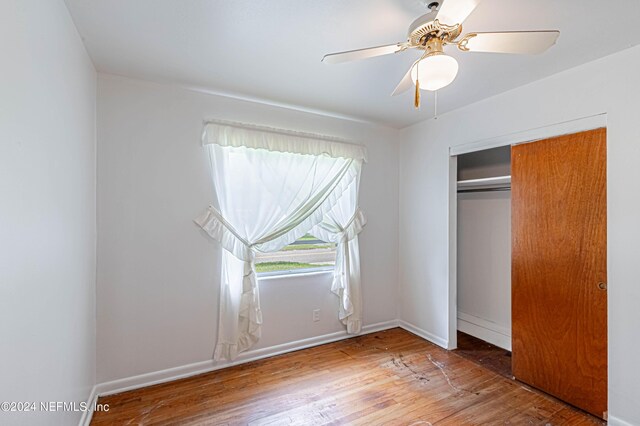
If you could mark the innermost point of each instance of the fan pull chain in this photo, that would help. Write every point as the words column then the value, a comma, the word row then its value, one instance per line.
column 435, row 105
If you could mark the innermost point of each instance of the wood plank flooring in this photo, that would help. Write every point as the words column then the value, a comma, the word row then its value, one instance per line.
column 487, row 355
column 386, row 378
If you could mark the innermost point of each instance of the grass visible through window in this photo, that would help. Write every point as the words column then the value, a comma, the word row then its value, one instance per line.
column 306, row 247
column 286, row 266
column 307, row 252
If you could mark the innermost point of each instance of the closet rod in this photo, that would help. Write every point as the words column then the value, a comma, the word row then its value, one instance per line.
column 505, row 188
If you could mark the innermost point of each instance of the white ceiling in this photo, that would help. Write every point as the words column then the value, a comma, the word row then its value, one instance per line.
column 271, row 50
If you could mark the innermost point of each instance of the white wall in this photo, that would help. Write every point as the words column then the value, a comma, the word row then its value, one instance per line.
column 47, row 211
column 484, row 266
column 606, row 85
column 158, row 274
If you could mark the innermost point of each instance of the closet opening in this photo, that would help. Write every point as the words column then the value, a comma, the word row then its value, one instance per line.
column 484, row 258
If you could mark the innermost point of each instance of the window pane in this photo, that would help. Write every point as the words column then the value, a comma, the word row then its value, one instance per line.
column 307, row 253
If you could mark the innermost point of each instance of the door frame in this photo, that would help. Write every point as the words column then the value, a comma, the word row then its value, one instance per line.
column 526, row 136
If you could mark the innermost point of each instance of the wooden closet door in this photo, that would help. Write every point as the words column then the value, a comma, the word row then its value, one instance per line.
column 559, row 267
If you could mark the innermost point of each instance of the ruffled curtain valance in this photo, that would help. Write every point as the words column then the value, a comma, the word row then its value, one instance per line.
column 271, row 189
column 228, row 133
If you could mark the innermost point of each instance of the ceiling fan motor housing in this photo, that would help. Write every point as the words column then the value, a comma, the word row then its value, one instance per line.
column 427, row 27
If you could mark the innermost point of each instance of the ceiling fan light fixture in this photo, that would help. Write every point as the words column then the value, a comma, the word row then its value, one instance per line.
column 442, row 27
column 435, row 71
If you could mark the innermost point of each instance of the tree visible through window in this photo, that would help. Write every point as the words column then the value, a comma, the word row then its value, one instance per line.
column 308, row 253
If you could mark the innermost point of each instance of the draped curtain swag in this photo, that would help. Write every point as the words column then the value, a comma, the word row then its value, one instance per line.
column 272, row 187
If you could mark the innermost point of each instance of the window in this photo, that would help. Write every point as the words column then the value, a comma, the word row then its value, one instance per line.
column 307, row 254
column 271, row 185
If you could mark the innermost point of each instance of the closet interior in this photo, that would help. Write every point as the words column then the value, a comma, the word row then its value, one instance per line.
column 484, row 245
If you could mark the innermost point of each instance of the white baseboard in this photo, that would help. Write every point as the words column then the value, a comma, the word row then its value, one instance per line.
column 616, row 421
column 486, row 330
column 175, row 373
column 85, row 420
column 444, row 343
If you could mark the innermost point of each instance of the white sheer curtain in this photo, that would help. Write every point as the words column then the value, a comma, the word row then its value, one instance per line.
column 271, row 188
column 341, row 225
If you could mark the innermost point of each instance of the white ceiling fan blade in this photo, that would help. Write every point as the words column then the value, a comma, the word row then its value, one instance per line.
column 406, row 83
column 370, row 52
column 525, row 42
column 456, row 11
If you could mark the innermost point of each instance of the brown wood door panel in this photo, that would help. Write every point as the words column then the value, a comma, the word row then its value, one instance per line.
column 559, row 255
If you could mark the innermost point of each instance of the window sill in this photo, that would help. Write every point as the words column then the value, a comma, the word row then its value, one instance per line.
column 265, row 276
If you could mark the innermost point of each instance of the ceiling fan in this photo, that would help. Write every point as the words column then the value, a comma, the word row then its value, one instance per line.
column 435, row 30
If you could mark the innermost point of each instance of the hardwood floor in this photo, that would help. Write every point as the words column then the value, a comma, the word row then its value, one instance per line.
column 386, row 378
column 487, row 355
